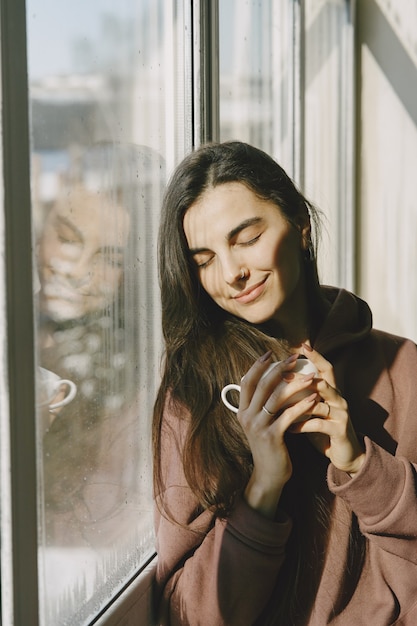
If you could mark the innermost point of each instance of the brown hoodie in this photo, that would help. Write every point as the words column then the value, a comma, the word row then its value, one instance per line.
column 214, row 572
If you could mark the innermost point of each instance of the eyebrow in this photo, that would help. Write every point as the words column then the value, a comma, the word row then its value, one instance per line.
column 252, row 221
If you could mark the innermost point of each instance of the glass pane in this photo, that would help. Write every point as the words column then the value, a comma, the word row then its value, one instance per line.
column 108, row 112
column 329, row 132
column 256, row 75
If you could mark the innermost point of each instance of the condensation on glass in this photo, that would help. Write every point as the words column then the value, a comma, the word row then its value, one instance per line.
column 107, row 100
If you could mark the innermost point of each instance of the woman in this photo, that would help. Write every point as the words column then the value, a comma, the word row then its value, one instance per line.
column 303, row 515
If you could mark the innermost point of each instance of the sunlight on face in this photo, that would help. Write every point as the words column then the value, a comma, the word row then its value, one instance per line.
column 81, row 255
column 231, row 231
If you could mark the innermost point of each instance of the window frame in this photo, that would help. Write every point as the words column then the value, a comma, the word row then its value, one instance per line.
column 205, row 75
column 19, row 505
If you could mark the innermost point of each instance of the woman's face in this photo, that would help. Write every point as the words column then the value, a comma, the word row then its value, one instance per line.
column 230, row 230
column 81, row 255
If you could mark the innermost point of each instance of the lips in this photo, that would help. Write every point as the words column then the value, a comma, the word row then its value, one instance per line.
column 251, row 293
column 56, row 291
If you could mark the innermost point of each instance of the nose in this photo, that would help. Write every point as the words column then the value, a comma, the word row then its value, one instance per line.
column 80, row 271
column 232, row 270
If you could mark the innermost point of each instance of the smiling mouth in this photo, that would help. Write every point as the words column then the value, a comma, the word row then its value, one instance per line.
column 57, row 291
column 251, row 293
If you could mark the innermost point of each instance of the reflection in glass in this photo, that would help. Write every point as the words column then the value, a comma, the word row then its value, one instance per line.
column 93, row 300
column 101, row 93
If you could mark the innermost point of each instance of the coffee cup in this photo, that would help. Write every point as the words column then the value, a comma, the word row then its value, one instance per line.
column 302, row 366
column 51, row 387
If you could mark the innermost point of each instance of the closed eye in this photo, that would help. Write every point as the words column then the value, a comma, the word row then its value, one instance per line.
column 69, row 240
column 67, row 232
column 202, row 260
column 203, row 264
column 250, row 242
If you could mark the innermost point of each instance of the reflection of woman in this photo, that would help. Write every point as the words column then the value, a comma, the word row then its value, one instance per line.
column 88, row 259
column 276, row 516
column 81, row 254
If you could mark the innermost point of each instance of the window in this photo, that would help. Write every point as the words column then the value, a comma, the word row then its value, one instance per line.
column 257, row 85
column 328, row 131
column 108, row 100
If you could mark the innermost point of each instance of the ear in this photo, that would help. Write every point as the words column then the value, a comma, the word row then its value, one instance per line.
column 305, row 232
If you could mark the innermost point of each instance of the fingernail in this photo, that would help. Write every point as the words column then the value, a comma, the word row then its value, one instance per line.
column 291, row 358
column 307, row 347
column 265, row 356
column 288, row 376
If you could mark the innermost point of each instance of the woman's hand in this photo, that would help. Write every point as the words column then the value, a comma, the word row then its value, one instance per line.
column 265, row 423
column 331, row 431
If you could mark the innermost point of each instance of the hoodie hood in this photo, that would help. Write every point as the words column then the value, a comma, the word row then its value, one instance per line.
column 349, row 320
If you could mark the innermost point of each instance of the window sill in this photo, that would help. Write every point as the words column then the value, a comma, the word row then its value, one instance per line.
column 134, row 606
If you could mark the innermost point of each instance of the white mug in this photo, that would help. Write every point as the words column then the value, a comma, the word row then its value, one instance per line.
column 302, row 366
column 50, row 384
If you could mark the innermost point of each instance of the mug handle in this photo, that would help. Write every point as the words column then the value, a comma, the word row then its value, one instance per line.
column 224, row 393
column 71, row 395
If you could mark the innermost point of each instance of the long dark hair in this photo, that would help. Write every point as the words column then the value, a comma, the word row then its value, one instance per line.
column 206, row 347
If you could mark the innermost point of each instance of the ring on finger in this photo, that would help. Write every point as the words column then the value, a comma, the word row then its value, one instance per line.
column 328, row 409
column 267, row 412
